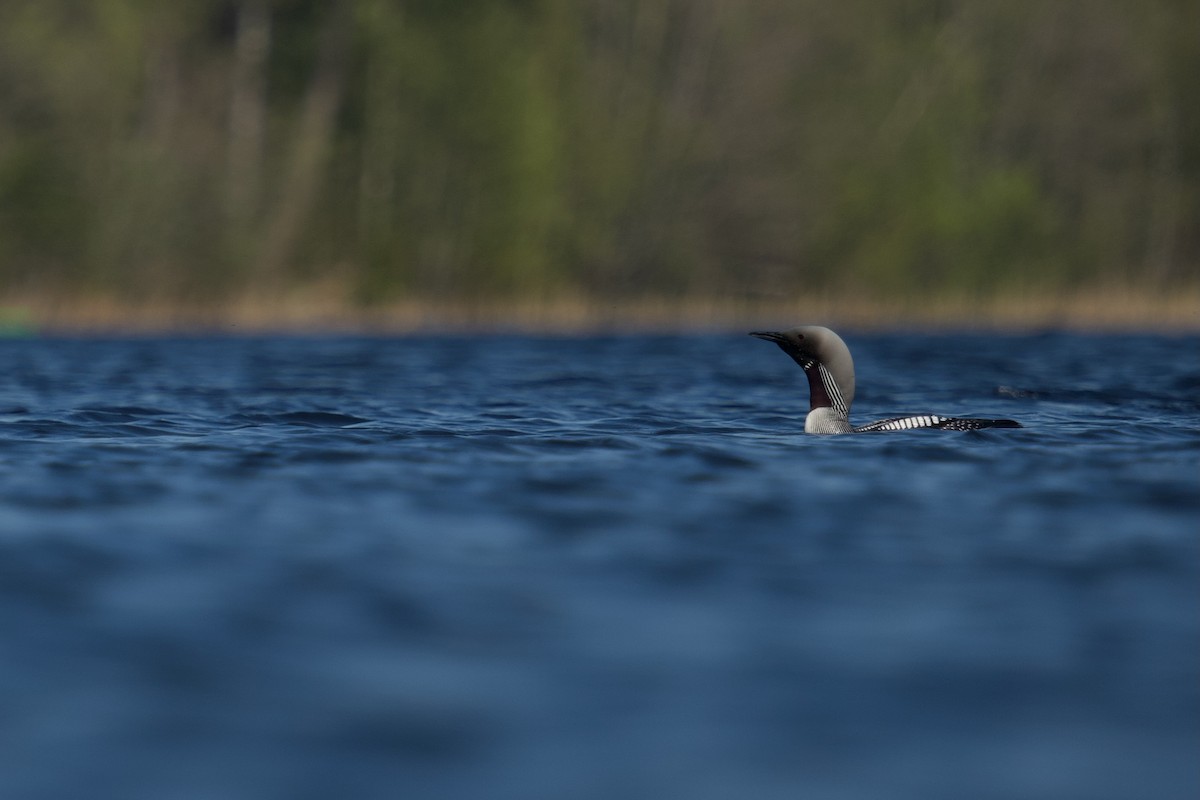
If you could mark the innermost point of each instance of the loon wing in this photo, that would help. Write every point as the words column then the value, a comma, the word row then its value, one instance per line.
column 935, row 422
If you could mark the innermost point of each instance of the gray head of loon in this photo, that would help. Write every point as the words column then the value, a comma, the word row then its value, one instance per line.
column 826, row 361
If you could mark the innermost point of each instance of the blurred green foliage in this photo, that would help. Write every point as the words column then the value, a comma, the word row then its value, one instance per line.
column 496, row 148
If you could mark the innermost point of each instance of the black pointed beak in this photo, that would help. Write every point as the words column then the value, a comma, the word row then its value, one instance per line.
column 770, row 336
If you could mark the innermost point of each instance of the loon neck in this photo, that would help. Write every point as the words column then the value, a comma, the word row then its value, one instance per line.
column 827, row 413
column 823, row 389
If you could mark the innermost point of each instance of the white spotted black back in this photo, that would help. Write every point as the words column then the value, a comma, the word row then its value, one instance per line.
column 935, row 422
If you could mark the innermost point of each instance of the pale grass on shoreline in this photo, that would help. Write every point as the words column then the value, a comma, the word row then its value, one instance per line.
column 321, row 311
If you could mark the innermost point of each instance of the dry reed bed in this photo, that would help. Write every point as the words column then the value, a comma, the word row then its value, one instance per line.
column 325, row 311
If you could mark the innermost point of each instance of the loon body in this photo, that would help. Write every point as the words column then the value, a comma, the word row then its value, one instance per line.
column 826, row 362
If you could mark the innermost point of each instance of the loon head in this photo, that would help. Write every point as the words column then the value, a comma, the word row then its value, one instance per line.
column 826, row 361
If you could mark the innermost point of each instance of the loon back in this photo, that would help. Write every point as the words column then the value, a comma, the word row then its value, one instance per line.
column 827, row 364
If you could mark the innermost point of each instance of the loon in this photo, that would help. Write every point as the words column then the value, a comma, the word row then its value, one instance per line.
column 826, row 361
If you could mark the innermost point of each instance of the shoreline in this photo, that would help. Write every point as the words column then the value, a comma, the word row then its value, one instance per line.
column 311, row 312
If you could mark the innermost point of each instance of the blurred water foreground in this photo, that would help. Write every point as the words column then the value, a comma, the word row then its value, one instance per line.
column 536, row 567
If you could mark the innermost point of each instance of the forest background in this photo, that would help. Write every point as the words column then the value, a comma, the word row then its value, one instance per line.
column 276, row 163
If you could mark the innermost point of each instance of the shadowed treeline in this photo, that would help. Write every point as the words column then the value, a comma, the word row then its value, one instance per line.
column 385, row 150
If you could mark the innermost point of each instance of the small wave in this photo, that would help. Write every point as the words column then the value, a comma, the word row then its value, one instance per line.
column 585, row 442
column 1016, row 392
column 310, row 419
column 46, row 427
column 563, row 381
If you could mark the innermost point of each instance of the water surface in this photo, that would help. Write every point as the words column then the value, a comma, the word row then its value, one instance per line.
column 597, row 567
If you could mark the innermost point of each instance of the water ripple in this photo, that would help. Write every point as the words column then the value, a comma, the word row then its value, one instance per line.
column 609, row 566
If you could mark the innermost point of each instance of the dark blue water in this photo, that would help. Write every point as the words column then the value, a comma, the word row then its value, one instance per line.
column 509, row 567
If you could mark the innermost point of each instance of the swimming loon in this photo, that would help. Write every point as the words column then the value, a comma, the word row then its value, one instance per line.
column 826, row 361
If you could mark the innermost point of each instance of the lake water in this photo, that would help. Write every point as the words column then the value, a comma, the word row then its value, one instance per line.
column 597, row 567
